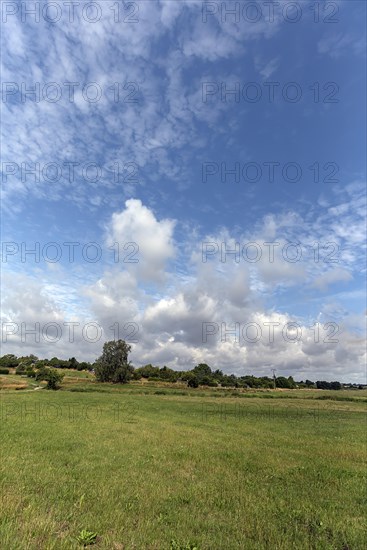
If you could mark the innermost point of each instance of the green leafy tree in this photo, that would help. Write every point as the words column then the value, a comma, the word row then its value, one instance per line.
column 73, row 363
column 169, row 375
column 113, row 365
column 193, row 382
column 9, row 361
column 218, row 374
column 291, row 382
column 148, row 371
column 84, row 365
column 51, row 376
column 229, row 381
column 186, row 375
column 27, row 361
column 322, row 385
column 20, row 369
column 282, row 382
column 30, row 372
column 202, row 370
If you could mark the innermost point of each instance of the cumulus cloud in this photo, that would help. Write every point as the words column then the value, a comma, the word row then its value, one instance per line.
column 217, row 312
column 151, row 240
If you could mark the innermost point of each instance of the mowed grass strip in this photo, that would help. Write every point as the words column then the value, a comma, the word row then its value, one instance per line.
column 141, row 470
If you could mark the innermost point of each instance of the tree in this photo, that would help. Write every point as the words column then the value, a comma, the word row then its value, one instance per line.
column 52, row 377
column 112, row 365
column 229, row 381
column 283, row 382
column 193, row 382
column 84, row 365
column 201, row 370
column 168, row 374
column 148, row 371
column 322, row 385
column 73, row 363
column 9, row 361
column 30, row 372
column 291, row 382
column 59, row 363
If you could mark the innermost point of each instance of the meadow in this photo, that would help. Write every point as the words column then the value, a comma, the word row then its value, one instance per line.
column 158, row 466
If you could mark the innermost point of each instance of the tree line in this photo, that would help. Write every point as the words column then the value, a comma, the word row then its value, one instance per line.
column 113, row 366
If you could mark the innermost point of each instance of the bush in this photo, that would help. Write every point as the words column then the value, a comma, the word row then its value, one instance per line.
column 30, row 372
column 4, row 371
column 204, row 381
column 193, row 382
column 20, row 369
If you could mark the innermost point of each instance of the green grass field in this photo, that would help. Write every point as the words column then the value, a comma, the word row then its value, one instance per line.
column 141, row 466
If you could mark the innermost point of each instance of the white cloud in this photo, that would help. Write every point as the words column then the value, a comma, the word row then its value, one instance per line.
column 266, row 68
column 333, row 276
column 338, row 44
column 152, row 240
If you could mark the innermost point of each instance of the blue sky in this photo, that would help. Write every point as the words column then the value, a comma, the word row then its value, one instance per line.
column 140, row 150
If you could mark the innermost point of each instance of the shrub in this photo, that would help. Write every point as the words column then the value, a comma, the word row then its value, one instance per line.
column 20, row 369
column 30, row 372
column 193, row 382
column 204, row 381
column 4, row 371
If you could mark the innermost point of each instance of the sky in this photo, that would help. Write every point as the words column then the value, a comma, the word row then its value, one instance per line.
column 188, row 176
